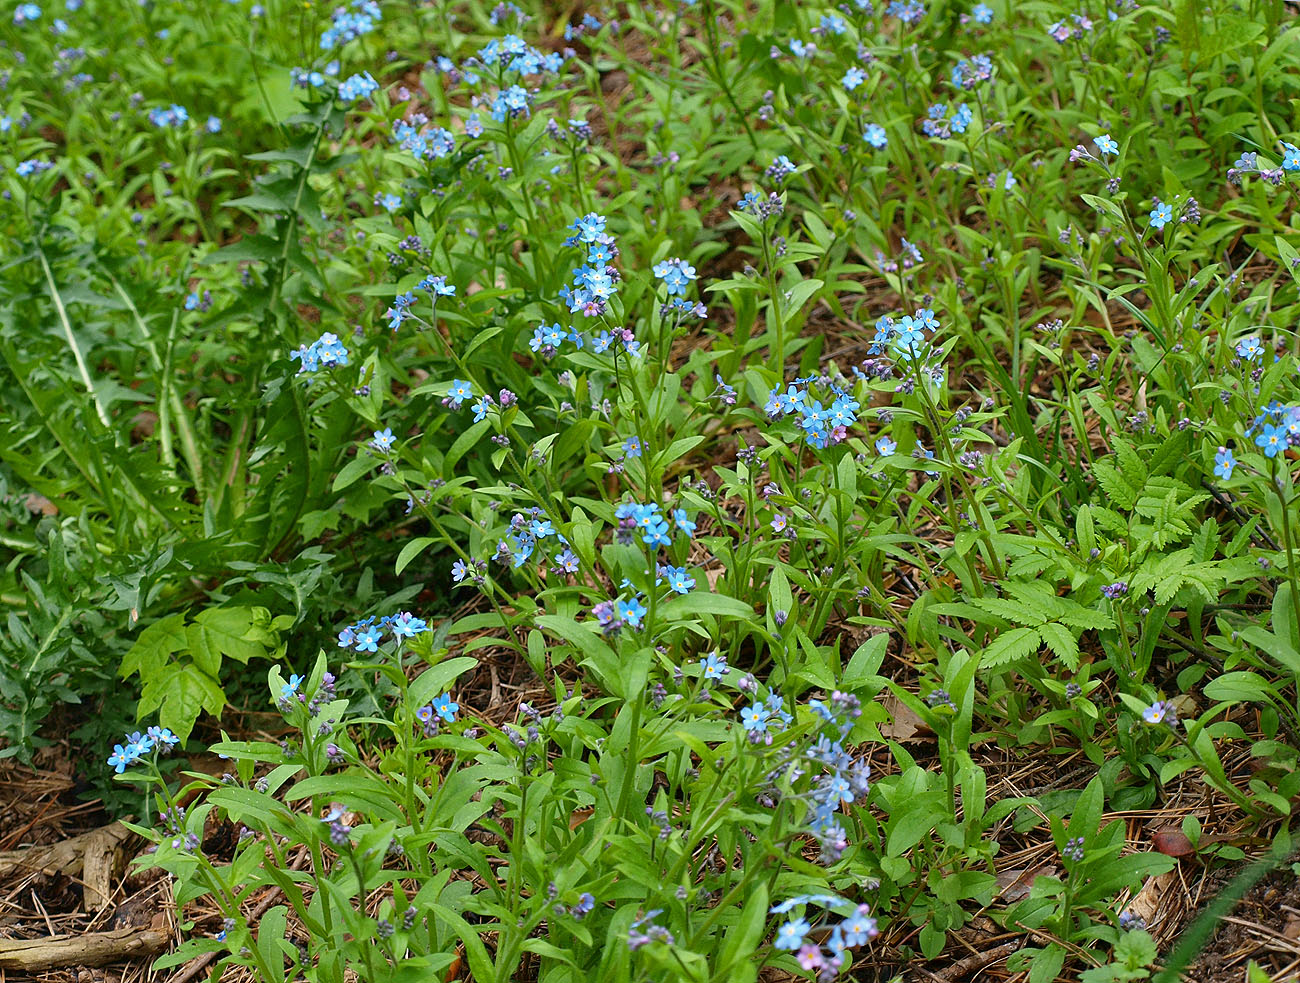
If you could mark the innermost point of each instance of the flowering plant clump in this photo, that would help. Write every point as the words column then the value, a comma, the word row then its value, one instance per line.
column 665, row 492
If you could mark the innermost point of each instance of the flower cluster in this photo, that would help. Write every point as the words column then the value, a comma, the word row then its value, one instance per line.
column 136, row 745
column 423, row 144
column 967, row 74
column 905, row 339
column 939, row 125
column 676, row 275
column 1275, row 428
column 646, row 519
column 326, row 351
column 166, row 117
column 1060, row 31
column 613, row 615
column 762, row 717
column 829, row 958
column 643, row 931
column 527, row 532
column 842, row 779
column 367, row 634
column 443, row 708
column 349, row 24
column 822, row 426
column 357, row 87
column 1161, row 712
column 519, row 57
column 596, row 281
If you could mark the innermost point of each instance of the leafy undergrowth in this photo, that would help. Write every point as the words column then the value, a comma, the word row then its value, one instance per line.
column 715, row 491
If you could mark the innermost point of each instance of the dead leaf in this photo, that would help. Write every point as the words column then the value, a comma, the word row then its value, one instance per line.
column 1292, row 927
column 1173, row 843
column 904, row 725
column 40, row 505
column 1146, row 903
column 1014, row 885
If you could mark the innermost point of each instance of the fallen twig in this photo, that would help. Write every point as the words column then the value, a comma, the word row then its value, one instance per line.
column 91, row 949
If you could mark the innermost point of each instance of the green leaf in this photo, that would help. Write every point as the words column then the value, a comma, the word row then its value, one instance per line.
column 702, row 602
column 411, row 550
column 1230, row 33
column 799, row 295
column 1062, row 643
column 354, row 469
column 180, row 696
column 462, row 445
column 1239, row 687
column 1018, row 643
column 233, row 632
column 164, row 637
column 438, row 679
column 743, row 938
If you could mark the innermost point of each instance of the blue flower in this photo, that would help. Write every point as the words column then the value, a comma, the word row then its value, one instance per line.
column 407, row 625
column 589, row 228
column 790, row 936
column 632, row 447
column 24, row 13
column 547, row 336
column 357, row 87
column 1106, row 145
column 120, row 758
column 1161, row 214
column 885, row 446
column 1224, row 462
column 713, row 666
column 853, row 78
column 1156, row 713
column 683, row 523
column 679, row 580
column 438, row 286
column 982, row 13
column 1250, row 348
column 755, row 717
column 368, row 640
column 1291, row 157
column 445, row 708
column 459, row 392
column 631, row 611
column 383, row 440
column 481, row 407
column 676, row 275
column 875, row 136
column 859, row 928
column 1271, row 439
column 291, row 687
column 657, row 535
column 459, row 571
column 163, row 737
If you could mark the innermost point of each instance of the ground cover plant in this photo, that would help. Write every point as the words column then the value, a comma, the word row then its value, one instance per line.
column 658, row 491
